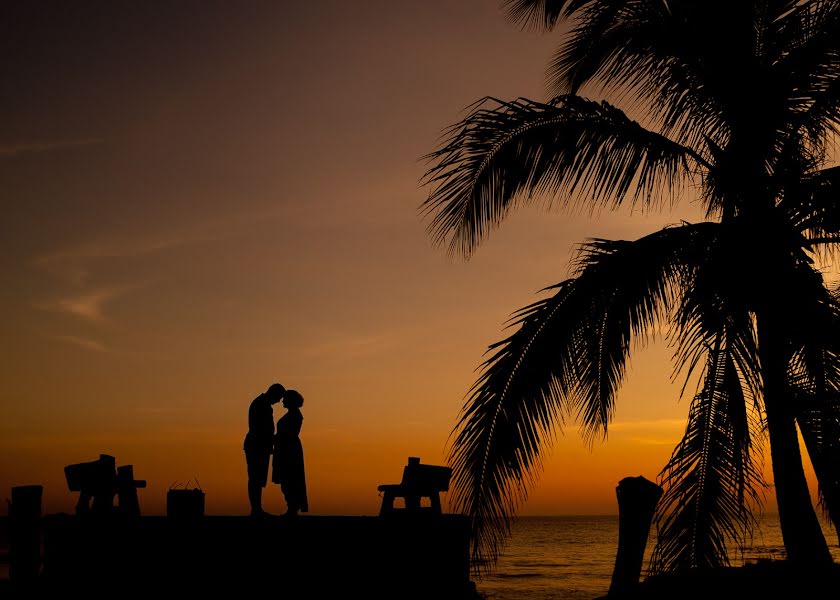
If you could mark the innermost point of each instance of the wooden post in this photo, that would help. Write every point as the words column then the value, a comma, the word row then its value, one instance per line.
column 25, row 534
column 637, row 498
column 103, row 485
column 127, row 491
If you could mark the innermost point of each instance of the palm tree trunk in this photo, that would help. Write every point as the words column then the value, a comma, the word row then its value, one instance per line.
column 803, row 538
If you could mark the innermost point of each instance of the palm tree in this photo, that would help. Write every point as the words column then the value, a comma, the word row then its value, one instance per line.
column 740, row 102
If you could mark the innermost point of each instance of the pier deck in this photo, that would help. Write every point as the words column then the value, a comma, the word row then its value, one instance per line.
column 405, row 556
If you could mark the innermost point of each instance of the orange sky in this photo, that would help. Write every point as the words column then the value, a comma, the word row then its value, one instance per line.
column 201, row 198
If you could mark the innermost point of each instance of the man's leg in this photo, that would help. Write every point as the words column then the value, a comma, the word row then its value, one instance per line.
column 257, row 477
column 255, row 497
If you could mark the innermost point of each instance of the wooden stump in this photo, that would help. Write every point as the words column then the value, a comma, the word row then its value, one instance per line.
column 637, row 498
column 25, row 534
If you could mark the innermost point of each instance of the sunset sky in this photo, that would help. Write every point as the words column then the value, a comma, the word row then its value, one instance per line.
column 203, row 197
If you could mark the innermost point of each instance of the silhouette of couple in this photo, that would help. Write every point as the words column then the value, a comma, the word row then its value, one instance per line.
column 262, row 440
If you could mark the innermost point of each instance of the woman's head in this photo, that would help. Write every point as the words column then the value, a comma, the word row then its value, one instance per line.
column 292, row 399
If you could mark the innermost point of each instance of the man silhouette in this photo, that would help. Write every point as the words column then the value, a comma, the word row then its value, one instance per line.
column 258, row 443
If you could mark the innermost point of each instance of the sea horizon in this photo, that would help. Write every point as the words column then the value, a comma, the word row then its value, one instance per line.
column 571, row 557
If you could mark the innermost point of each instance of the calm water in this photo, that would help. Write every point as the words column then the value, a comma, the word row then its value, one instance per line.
column 573, row 557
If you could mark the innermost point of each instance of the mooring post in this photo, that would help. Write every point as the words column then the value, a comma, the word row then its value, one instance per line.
column 25, row 534
column 127, row 491
column 637, row 498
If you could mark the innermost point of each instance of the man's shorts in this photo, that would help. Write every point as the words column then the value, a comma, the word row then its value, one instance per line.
column 257, row 466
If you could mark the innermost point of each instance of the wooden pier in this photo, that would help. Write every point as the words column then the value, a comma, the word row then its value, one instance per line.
column 403, row 556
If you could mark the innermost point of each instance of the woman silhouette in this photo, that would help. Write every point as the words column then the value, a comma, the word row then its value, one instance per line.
column 287, row 467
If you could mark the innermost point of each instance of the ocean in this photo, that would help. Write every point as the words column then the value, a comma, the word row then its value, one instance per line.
column 573, row 557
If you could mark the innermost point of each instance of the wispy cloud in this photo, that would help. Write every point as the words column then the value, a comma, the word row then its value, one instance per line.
column 75, row 264
column 159, row 410
column 173, row 438
column 88, row 305
column 82, row 342
column 11, row 150
column 352, row 346
column 123, row 248
column 76, row 268
column 82, row 271
column 653, row 441
column 648, row 425
column 650, row 432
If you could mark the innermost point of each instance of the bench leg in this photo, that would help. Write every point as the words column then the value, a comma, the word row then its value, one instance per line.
column 412, row 503
column 387, row 504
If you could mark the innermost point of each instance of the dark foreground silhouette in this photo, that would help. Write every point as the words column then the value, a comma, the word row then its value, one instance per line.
column 770, row 579
column 108, row 548
column 258, row 443
column 262, row 441
column 314, row 557
column 418, row 481
column 727, row 104
column 99, row 481
column 287, row 466
column 414, row 552
column 637, row 498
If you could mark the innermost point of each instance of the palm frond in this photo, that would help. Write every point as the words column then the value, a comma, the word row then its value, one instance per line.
column 809, row 64
column 660, row 56
column 605, row 36
column 746, row 94
column 775, row 63
column 819, row 423
column 716, row 297
column 812, row 203
column 540, row 14
column 642, row 278
column 512, row 152
column 814, row 377
column 566, row 357
column 711, row 482
column 507, row 422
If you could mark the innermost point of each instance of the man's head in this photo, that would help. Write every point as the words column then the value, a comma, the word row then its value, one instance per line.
column 275, row 393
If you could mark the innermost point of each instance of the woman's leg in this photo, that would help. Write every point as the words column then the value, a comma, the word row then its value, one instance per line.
column 292, row 505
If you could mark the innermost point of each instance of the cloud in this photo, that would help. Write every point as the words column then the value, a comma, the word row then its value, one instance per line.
column 12, row 150
column 159, row 410
column 82, row 342
column 650, row 432
column 648, row 425
column 173, row 438
column 76, row 267
column 352, row 346
column 653, row 441
column 76, row 263
column 87, row 305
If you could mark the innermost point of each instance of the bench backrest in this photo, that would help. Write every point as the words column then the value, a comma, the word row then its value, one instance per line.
column 426, row 477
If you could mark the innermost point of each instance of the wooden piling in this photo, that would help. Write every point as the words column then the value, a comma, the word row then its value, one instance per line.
column 637, row 498
column 25, row 534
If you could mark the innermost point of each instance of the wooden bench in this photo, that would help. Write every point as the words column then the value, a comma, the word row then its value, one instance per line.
column 101, row 480
column 418, row 481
